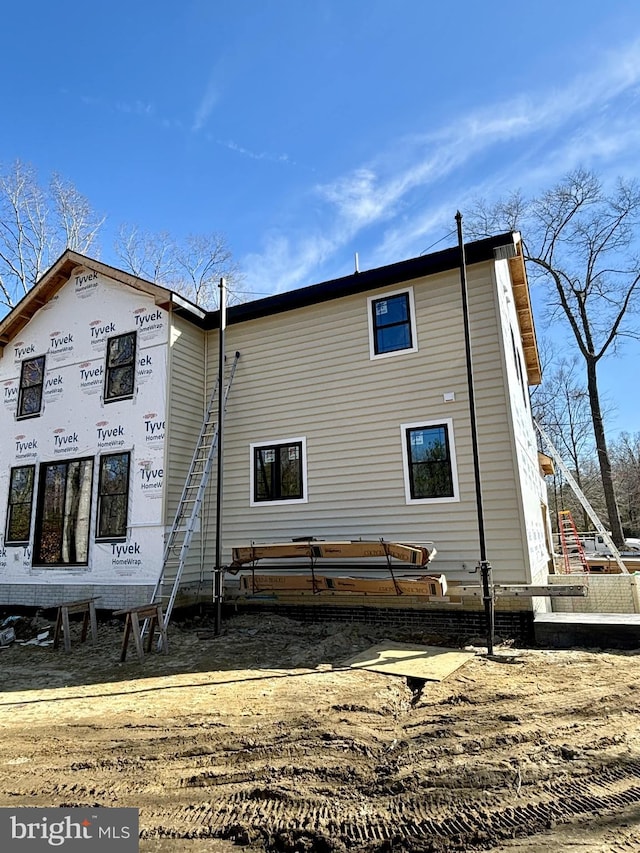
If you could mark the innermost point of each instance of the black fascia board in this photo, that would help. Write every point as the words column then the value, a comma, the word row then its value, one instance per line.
column 358, row 282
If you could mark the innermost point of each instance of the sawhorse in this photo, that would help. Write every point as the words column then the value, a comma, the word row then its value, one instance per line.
column 150, row 612
column 86, row 606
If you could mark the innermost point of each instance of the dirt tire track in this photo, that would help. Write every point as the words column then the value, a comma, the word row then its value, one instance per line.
column 281, row 753
column 268, row 813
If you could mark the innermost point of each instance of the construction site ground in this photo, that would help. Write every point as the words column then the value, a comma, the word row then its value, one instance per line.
column 260, row 738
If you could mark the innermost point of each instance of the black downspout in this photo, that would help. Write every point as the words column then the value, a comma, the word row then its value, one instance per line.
column 484, row 566
column 218, row 572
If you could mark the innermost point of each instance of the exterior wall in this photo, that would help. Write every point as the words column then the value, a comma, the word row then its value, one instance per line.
column 607, row 594
column 75, row 422
column 308, row 373
column 531, row 486
column 434, row 625
column 187, row 383
column 500, row 488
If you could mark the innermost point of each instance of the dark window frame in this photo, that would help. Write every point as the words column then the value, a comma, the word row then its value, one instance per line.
column 446, row 464
column 16, row 540
column 39, row 544
column 110, row 370
column 20, row 415
column 378, row 328
column 103, row 495
column 273, row 484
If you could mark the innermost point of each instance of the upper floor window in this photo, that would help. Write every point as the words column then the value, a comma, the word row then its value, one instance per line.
column 19, row 505
column 429, row 462
column 113, row 496
column 31, row 385
column 120, row 370
column 278, row 471
column 392, row 325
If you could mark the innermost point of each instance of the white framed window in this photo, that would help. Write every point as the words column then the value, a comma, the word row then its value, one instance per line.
column 392, row 324
column 429, row 460
column 278, row 472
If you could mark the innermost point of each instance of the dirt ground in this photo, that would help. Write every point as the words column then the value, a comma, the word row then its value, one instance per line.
column 260, row 738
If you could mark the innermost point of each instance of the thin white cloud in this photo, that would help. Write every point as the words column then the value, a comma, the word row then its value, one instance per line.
column 140, row 108
column 546, row 134
column 281, row 266
column 207, row 104
column 252, row 155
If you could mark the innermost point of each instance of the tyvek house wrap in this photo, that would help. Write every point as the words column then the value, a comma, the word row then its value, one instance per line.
column 75, row 422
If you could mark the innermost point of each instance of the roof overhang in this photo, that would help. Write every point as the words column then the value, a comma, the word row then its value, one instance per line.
column 70, row 263
column 476, row 252
column 507, row 246
column 525, row 314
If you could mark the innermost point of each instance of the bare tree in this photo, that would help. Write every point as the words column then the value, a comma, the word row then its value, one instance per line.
column 36, row 225
column 192, row 267
column 561, row 406
column 580, row 242
column 625, row 462
column 147, row 255
column 78, row 224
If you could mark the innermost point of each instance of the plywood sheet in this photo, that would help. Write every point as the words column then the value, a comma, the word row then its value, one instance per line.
column 430, row 663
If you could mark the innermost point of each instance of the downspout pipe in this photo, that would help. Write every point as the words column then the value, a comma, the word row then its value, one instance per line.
column 218, row 570
column 484, row 565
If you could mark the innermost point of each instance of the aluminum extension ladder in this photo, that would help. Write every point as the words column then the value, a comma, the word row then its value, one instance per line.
column 583, row 500
column 190, row 504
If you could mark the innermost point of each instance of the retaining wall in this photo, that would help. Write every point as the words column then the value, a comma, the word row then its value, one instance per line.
column 607, row 594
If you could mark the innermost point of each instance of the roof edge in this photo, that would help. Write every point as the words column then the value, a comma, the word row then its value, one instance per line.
column 61, row 271
column 524, row 311
column 476, row 252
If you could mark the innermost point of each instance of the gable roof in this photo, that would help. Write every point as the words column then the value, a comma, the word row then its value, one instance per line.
column 506, row 245
column 60, row 272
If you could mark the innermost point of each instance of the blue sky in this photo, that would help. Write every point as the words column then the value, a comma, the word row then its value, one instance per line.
column 307, row 130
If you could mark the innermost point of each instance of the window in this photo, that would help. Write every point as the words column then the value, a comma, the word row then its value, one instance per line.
column 278, row 472
column 20, row 502
column 31, row 383
column 113, row 496
column 429, row 462
column 392, row 328
column 64, row 513
column 121, row 367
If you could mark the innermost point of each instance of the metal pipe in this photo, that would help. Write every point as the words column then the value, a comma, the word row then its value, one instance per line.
column 218, row 573
column 485, row 566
